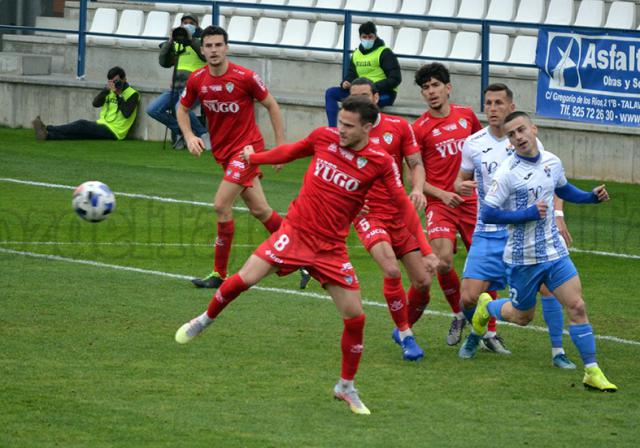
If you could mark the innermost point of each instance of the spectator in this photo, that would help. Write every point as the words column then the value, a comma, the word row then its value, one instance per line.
column 372, row 60
column 119, row 103
column 181, row 51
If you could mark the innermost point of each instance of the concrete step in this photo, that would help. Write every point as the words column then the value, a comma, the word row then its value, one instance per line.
column 25, row 64
column 58, row 23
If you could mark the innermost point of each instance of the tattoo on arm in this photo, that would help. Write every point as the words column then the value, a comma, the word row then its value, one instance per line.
column 414, row 160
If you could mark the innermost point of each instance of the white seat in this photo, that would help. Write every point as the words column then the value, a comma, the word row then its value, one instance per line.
column 387, row 7
column 268, row 31
column 437, row 44
column 329, row 4
column 302, row 4
column 104, row 21
column 442, row 8
column 273, row 12
column 296, row 32
column 195, row 9
column 523, row 51
column 131, row 22
column 358, row 5
column 157, row 25
column 240, row 30
column 177, row 20
column 622, row 15
column 530, row 11
column 415, row 8
column 170, row 7
column 498, row 52
column 323, row 36
column 407, row 43
column 466, row 45
column 471, row 9
column 560, row 12
column 246, row 11
column 385, row 32
column 590, row 13
column 207, row 20
column 502, row 10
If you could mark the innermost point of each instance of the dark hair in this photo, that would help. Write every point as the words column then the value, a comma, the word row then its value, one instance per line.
column 116, row 71
column 365, row 82
column 518, row 113
column 434, row 70
column 190, row 16
column 366, row 109
column 368, row 28
column 499, row 87
column 214, row 30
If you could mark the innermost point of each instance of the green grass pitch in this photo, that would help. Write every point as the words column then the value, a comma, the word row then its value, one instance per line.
column 88, row 356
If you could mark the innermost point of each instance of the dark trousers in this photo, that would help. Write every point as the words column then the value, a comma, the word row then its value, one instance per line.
column 80, row 130
column 334, row 95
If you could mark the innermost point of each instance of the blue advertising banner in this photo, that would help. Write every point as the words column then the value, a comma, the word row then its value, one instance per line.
column 589, row 77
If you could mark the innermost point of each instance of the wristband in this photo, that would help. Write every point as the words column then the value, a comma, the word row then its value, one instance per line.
column 558, row 213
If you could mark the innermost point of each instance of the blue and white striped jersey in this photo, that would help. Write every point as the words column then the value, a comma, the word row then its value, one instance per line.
column 518, row 184
column 482, row 154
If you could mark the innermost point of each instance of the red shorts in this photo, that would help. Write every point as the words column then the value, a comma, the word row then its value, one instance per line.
column 444, row 221
column 372, row 230
column 326, row 261
column 237, row 171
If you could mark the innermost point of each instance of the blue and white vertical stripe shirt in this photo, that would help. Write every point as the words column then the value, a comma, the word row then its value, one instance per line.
column 482, row 154
column 517, row 185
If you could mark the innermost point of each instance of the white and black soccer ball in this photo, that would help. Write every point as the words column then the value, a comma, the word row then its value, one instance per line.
column 93, row 201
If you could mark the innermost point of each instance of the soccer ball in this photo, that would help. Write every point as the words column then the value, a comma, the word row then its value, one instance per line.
column 93, row 201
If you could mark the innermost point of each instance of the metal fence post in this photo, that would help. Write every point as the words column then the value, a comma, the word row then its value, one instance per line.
column 346, row 61
column 484, row 72
column 82, row 40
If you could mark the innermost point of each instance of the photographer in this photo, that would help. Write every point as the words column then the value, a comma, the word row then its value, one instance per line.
column 119, row 103
column 181, row 51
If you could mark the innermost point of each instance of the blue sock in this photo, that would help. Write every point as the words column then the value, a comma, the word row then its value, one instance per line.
column 554, row 317
column 584, row 340
column 495, row 308
column 468, row 313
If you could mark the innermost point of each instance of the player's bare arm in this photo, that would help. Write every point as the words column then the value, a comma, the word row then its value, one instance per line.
column 465, row 185
column 194, row 143
column 414, row 162
column 558, row 206
column 275, row 116
column 447, row 197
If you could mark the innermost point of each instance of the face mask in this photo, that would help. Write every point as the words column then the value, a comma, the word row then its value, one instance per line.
column 367, row 44
column 190, row 28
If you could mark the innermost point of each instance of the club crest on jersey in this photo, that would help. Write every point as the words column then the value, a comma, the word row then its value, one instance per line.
column 361, row 162
column 387, row 137
column 547, row 170
column 229, row 86
column 463, row 123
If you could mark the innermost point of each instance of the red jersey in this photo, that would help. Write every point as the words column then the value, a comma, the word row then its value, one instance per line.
column 441, row 141
column 227, row 101
column 336, row 182
column 396, row 137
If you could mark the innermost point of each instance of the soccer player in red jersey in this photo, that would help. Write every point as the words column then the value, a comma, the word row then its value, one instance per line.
column 441, row 132
column 227, row 92
column 384, row 231
column 343, row 167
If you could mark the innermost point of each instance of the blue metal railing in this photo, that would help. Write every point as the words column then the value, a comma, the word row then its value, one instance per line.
column 348, row 17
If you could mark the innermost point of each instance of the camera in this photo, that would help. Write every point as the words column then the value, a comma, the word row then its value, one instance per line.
column 181, row 36
column 118, row 84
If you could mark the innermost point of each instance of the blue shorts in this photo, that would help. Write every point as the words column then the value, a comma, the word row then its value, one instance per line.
column 484, row 260
column 525, row 280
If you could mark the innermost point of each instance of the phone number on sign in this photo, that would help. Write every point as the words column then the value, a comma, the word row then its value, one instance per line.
column 590, row 113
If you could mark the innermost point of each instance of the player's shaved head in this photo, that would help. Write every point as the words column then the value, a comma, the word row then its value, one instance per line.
column 362, row 106
column 516, row 114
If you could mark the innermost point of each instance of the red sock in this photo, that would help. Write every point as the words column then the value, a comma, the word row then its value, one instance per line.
column 352, row 346
column 450, row 284
column 396, row 302
column 418, row 301
column 223, row 247
column 491, row 325
column 229, row 290
column 273, row 223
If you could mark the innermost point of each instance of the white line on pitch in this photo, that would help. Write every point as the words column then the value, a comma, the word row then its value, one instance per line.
column 244, row 209
column 267, row 289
